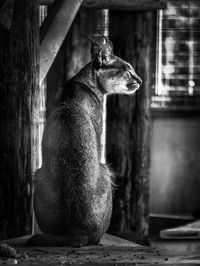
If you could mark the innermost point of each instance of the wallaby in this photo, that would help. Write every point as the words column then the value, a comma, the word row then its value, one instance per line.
column 73, row 189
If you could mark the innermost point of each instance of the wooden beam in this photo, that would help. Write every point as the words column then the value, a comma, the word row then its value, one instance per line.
column 56, row 31
column 46, row 2
column 119, row 4
column 125, row 4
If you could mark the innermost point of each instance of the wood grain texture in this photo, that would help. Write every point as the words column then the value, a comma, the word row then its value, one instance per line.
column 18, row 86
column 6, row 10
column 125, row 4
column 128, row 120
column 119, row 4
column 64, row 12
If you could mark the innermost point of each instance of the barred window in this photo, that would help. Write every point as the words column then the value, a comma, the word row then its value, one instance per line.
column 178, row 56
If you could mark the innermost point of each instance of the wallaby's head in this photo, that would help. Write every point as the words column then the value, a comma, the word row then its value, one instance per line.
column 114, row 74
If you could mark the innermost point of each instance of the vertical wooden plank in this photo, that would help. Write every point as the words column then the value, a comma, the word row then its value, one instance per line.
column 128, row 121
column 4, row 53
column 19, row 88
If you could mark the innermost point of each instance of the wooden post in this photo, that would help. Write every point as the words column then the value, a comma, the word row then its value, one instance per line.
column 128, row 126
column 125, row 4
column 118, row 4
column 64, row 12
column 19, row 87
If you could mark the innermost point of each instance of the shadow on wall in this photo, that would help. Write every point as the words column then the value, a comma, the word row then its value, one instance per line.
column 175, row 165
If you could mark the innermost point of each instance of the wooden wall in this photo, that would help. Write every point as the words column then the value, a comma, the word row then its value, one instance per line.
column 175, row 168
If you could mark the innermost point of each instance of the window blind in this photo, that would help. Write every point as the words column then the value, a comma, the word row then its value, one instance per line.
column 178, row 54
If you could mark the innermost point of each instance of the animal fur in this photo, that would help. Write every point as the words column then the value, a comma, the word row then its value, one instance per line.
column 73, row 189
